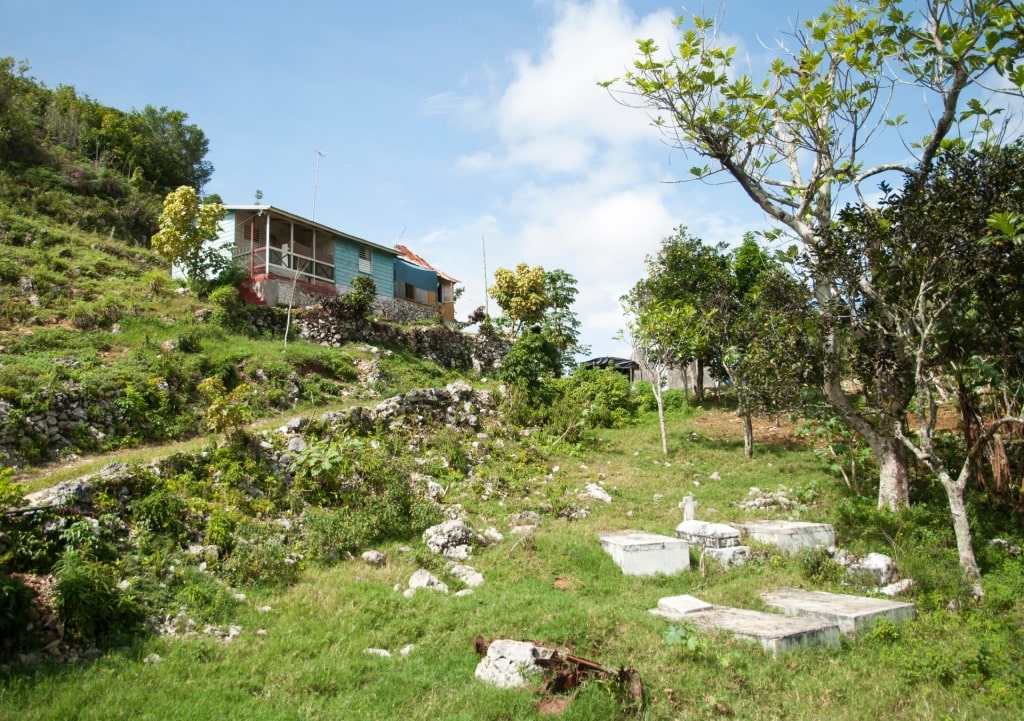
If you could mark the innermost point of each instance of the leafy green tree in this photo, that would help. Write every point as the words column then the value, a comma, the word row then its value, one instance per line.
column 560, row 324
column 689, row 272
column 937, row 310
column 521, row 294
column 768, row 337
column 532, row 359
column 186, row 226
column 797, row 140
column 660, row 333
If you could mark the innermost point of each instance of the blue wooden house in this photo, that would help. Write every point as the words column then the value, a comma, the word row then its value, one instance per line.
column 282, row 252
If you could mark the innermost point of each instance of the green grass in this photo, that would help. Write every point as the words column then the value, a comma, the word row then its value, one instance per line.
column 311, row 664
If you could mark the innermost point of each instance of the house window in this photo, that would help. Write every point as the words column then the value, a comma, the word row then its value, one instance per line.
column 365, row 259
column 410, row 292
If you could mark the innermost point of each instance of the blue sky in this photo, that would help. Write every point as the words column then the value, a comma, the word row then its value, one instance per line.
column 446, row 126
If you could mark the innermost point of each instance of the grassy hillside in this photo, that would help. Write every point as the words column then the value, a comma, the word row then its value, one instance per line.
column 212, row 518
column 301, row 649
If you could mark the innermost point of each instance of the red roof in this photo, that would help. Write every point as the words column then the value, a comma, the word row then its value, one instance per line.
column 421, row 262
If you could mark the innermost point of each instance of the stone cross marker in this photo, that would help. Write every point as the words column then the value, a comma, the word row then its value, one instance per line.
column 688, row 506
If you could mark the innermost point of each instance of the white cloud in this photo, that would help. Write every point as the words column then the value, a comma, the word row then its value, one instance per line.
column 554, row 96
column 581, row 175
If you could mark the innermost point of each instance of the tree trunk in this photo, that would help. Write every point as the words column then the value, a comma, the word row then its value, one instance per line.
column 748, row 434
column 661, row 418
column 698, row 381
column 993, row 469
column 893, row 473
column 962, row 530
column 893, row 470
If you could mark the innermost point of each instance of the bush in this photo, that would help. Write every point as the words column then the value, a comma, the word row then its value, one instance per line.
column 354, row 305
column 161, row 512
column 604, row 397
column 15, row 601
column 329, row 533
column 262, row 557
column 531, row 359
column 87, row 598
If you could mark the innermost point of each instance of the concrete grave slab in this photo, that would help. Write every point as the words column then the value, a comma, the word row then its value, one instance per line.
column 853, row 614
column 728, row 557
column 790, row 536
column 775, row 633
column 676, row 607
column 708, row 535
column 646, row 554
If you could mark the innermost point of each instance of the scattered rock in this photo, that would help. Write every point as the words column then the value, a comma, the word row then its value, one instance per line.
column 492, row 535
column 1011, row 550
column 896, row 588
column 877, row 568
column 425, row 579
column 374, row 558
column 468, row 575
column 383, row 653
column 508, row 663
column 452, row 539
column 152, row 658
column 596, row 492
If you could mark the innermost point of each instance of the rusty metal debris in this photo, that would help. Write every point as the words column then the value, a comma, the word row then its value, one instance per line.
column 565, row 672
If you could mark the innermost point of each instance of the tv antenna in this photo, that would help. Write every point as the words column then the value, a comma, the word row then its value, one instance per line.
column 316, row 181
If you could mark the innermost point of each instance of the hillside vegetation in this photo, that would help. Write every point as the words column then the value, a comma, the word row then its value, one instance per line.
column 219, row 571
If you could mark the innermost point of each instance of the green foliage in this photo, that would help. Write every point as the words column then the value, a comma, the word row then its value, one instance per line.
column 228, row 308
column 15, row 602
column 220, row 529
column 331, row 533
column 819, row 567
column 12, row 495
column 355, row 305
column 605, row 397
column 843, row 453
column 319, row 469
column 186, row 227
column 160, row 512
column 521, row 294
column 560, row 323
column 531, row 359
column 205, row 596
column 87, row 597
column 691, row 638
column 225, row 411
column 263, row 556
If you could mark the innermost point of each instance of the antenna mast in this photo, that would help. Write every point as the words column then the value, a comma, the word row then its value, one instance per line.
column 316, row 181
column 487, row 306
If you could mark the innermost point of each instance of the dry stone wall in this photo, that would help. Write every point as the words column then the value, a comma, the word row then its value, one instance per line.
column 446, row 347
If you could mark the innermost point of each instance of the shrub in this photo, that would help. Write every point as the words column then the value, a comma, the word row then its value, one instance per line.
column 604, row 397
column 15, row 601
column 87, row 598
column 531, row 359
column 161, row 512
column 353, row 305
column 262, row 557
column 329, row 533
column 229, row 311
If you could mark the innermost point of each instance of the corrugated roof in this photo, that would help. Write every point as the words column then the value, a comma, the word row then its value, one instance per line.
column 423, row 263
column 306, row 221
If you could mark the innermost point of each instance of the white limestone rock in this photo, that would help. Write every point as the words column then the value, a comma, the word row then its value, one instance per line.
column 508, row 663
column 425, row 579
